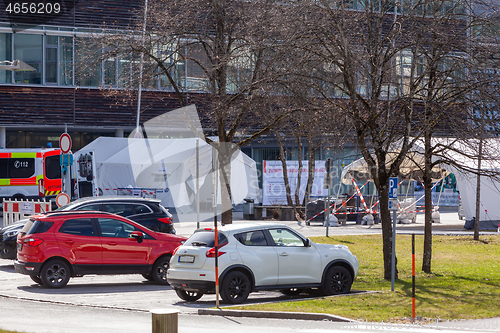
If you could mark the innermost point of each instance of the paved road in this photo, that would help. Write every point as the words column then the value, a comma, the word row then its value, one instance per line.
column 37, row 317
column 103, row 303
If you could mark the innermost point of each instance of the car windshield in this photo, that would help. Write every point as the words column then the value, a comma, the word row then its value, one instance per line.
column 205, row 238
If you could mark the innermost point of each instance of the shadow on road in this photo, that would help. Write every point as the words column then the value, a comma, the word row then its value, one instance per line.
column 95, row 288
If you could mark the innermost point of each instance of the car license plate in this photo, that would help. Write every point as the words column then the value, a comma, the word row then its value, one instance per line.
column 188, row 259
column 19, row 246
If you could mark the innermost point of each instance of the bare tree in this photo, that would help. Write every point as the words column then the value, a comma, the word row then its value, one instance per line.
column 228, row 48
column 396, row 71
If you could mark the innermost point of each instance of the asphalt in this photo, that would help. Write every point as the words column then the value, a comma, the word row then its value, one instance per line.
column 124, row 292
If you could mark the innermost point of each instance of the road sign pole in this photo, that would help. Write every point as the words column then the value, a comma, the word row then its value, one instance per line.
column 393, row 195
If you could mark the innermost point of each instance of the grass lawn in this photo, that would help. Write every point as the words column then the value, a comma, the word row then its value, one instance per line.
column 465, row 283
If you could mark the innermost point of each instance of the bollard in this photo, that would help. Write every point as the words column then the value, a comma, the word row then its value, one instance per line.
column 165, row 321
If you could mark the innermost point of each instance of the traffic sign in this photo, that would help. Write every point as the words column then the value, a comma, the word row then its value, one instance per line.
column 393, row 204
column 62, row 199
column 393, row 188
column 65, row 143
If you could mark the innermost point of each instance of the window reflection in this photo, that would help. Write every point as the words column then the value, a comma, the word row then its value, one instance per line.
column 28, row 48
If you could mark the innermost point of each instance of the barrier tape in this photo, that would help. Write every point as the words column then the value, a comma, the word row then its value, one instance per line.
column 335, row 211
column 360, row 195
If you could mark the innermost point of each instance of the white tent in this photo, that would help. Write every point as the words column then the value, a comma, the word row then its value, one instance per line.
column 169, row 167
column 462, row 160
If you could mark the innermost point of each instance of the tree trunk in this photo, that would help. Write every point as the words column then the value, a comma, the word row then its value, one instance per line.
column 478, row 187
column 282, row 158
column 299, row 172
column 385, row 217
column 224, row 156
column 311, row 166
column 427, row 256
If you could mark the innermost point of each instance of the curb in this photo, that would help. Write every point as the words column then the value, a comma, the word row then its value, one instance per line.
column 274, row 315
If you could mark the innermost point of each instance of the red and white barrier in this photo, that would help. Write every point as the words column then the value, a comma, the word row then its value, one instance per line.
column 15, row 210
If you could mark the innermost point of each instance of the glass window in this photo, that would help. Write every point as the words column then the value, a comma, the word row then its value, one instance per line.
column 81, row 227
column 28, row 48
column 95, row 207
column 88, row 66
column 4, row 168
column 115, row 228
column 119, row 209
column 110, row 71
column 53, row 167
column 5, row 54
column 66, row 61
column 196, row 78
column 252, row 238
column 51, row 65
column 141, row 209
column 21, row 167
column 284, row 237
column 38, row 227
column 205, row 238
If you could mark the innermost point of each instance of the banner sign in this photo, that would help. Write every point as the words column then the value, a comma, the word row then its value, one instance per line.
column 273, row 184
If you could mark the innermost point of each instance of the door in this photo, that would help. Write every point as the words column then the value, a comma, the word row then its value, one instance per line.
column 119, row 252
column 259, row 256
column 80, row 244
column 297, row 263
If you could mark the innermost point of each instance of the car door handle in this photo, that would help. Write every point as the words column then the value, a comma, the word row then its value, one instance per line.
column 69, row 241
column 284, row 254
column 112, row 243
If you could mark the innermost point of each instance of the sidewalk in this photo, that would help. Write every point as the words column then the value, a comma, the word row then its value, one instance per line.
column 450, row 225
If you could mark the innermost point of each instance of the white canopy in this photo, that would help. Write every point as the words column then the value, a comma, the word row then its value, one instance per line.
column 169, row 166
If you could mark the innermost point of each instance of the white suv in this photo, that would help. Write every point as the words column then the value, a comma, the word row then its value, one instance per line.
column 258, row 256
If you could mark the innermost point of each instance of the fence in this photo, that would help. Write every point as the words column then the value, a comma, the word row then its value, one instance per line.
column 15, row 210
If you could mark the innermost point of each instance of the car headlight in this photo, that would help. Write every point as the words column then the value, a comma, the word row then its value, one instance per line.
column 10, row 233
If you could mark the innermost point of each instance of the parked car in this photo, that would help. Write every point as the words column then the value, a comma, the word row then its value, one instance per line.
column 259, row 256
column 148, row 212
column 53, row 247
column 8, row 238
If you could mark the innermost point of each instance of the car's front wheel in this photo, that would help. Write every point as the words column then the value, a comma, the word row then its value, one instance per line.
column 338, row 280
column 159, row 272
column 189, row 296
column 55, row 274
column 235, row 287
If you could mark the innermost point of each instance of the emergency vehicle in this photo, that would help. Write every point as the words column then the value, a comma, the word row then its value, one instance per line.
column 30, row 173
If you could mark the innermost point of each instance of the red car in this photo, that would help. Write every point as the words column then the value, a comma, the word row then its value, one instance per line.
column 56, row 246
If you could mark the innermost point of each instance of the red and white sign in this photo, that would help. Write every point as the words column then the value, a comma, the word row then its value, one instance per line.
column 62, row 199
column 65, row 143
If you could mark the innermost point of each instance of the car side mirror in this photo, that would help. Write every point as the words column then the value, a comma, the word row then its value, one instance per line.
column 307, row 242
column 136, row 235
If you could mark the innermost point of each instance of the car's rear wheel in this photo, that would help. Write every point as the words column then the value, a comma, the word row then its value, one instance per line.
column 159, row 272
column 55, row 274
column 291, row 291
column 338, row 280
column 189, row 296
column 36, row 279
column 235, row 287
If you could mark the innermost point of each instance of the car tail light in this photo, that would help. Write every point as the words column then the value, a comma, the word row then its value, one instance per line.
column 173, row 253
column 167, row 220
column 211, row 253
column 33, row 241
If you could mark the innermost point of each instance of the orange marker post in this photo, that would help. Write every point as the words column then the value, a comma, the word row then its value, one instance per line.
column 413, row 276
